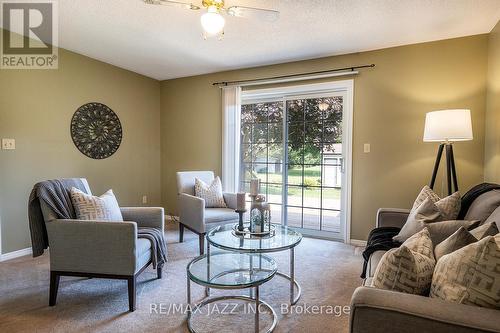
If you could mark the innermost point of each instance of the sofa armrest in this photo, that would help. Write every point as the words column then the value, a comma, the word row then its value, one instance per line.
column 192, row 212
column 392, row 217
column 153, row 217
column 230, row 199
column 383, row 311
column 92, row 246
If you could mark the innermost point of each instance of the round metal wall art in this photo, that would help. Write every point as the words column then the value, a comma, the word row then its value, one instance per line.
column 96, row 130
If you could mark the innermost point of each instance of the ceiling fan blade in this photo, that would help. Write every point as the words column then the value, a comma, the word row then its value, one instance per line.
column 251, row 12
column 180, row 4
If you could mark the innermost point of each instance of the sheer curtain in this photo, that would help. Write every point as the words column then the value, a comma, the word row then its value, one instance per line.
column 231, row 115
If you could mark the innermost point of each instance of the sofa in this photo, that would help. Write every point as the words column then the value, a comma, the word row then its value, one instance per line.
column 377, row 310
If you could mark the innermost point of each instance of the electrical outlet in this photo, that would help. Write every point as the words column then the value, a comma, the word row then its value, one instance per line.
column 144, row 199
column 366, row 148
column 8, row 144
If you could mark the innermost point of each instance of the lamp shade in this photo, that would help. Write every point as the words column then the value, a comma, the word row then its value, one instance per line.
column 448, row 125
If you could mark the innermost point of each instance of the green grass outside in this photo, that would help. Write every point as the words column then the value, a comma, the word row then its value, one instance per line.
column 312, row 176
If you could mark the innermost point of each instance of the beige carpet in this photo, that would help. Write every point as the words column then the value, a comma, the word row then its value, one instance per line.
column 327, row 271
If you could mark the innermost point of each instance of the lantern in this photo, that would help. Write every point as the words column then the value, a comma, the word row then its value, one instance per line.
column 260, row 215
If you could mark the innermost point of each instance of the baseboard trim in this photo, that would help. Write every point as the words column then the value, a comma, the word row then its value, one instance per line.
column 357, row 242
column 15, row 254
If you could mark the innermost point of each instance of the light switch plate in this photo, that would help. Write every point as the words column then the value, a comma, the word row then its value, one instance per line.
column 366, row 148
column 8, row 144
column 144, row 199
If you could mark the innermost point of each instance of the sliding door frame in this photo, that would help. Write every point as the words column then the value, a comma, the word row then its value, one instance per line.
column 344, row 87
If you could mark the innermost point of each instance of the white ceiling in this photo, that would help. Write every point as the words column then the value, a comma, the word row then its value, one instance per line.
column 166, row 42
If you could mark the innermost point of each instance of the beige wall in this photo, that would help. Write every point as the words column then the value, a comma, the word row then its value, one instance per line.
column 36, row 107
column 390, row 102
column 492, row 137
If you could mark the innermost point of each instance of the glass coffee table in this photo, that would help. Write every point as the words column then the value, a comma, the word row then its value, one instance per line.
column 284, row 238
column 232, row 270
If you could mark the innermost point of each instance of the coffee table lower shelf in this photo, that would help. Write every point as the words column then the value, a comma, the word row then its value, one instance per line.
column 217, row 271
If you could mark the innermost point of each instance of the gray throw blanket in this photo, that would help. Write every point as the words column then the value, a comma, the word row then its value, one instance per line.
column 55, row 193
column 158, row 244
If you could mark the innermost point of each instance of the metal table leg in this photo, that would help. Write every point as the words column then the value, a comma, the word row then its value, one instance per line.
column 292, row 274
column 251, row 271
column 188, row 289
column 207, row 290
column 257, row 328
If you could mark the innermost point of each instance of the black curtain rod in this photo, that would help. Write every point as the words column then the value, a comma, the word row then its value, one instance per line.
column 352, row 69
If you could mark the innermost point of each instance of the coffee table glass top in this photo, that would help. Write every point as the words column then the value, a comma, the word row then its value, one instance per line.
column 224, row 237
column 232, row 269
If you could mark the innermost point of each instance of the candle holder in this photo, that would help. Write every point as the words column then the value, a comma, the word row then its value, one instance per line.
column 240, row 222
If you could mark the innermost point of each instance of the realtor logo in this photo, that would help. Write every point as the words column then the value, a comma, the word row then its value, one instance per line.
column 29, row 35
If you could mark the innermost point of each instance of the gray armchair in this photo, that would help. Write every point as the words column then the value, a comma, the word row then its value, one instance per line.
column 192, row 212
column 99, row 249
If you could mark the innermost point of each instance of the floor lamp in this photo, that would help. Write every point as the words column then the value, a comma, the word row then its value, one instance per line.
column 446, row 127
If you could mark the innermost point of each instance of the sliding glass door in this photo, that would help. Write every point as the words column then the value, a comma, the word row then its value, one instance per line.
column 294, row 144
column 314, row 163
column 262, row 151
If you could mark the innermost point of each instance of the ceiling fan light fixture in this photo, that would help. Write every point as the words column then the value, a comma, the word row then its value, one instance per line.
column 212, row 21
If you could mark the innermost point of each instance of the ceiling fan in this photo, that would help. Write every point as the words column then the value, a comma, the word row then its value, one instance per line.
column 212, row 20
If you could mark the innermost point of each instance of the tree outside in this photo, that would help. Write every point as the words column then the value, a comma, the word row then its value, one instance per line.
column 314, row 129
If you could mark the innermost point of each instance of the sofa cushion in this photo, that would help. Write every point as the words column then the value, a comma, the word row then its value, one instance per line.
column 211, row 193
column 487, row 229
column 89, row 207
column 214, row 215
column 457, row 240
column 426, row 213
column 408, row 268
column 439, row 231
column 470, row 275
column 483, row 206
column 494, row 217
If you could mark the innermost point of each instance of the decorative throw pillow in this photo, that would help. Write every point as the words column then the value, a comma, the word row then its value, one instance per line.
column 212, row 194
column 448, row 206
column 439, row 231
column 457, row 240
column 425, row 193
column 425, row 213
column 408, row 268
column 470, row 275
column 89, row 207
column 494, row 217
column 487, row 229
column 483, row 206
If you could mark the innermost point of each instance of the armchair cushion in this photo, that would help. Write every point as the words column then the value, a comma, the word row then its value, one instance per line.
column 142, row 246
column 214, row 215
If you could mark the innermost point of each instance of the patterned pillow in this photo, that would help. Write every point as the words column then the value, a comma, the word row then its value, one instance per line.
column 89, row 207
column 487, row 229
column 211, row 193
column 448, row 206
column 408, row 268
column 425, row 192
column 425, row 213
column 470, row 275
